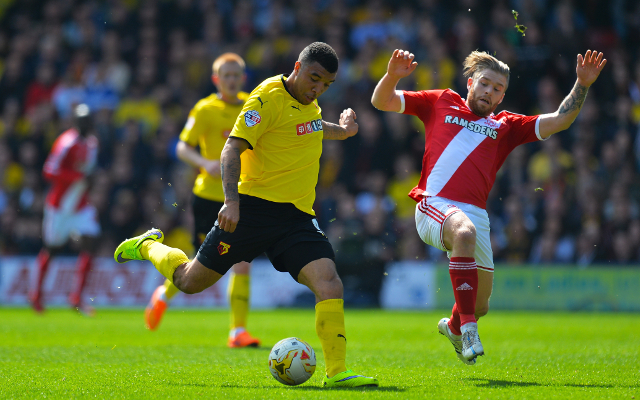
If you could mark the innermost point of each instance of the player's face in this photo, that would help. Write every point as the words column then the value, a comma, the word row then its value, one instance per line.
column 311, row 81
column 230, row 79
column 486, row 91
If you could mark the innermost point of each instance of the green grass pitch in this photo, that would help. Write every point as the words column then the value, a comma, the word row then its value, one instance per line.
column 529, row 356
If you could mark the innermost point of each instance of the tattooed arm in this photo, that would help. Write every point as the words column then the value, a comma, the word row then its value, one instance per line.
column 229, row 214
column 347, row 127
column 588, row 69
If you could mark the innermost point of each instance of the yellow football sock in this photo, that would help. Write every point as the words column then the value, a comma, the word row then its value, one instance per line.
column 238, row 292
column 166, row 259
column 330, row 330
column 170, row 289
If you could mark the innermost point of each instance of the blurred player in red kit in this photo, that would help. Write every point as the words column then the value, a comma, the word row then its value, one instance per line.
column 466, row 144
column 67, row 212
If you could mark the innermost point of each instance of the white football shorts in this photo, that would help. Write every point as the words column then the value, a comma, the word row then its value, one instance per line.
column 58, row 225
column 431, row 214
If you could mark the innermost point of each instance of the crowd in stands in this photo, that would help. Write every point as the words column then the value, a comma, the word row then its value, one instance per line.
column 141, row 65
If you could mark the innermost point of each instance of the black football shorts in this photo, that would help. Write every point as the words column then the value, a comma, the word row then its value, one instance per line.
column 291, row 238
column 205, row 215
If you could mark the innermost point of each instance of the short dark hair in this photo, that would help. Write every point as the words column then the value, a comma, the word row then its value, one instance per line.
column 321, row 53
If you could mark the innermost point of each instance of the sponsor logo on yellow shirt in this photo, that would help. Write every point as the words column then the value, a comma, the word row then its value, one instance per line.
column 309, row 127
column 252, row 118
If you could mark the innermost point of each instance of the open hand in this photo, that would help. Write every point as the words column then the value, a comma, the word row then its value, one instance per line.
column 401, row 64
column 589, row 67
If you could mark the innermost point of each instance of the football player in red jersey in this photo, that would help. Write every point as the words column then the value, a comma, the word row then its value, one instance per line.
column 466, row 144
column 67, row 211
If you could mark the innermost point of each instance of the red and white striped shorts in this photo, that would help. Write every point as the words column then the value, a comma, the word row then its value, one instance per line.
column 431, row 214
column 58, row 226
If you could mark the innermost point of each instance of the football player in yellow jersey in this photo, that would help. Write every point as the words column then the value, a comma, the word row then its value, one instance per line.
column 208, row 127
column 273, row 152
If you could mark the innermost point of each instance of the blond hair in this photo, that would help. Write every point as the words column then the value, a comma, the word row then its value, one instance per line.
column 478, row 61
column 225, row 58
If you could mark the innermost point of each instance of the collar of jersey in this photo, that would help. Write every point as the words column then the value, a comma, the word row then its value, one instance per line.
column 285, row 87
column 240, row 101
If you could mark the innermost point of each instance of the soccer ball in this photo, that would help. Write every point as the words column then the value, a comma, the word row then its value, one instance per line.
column 292, row 361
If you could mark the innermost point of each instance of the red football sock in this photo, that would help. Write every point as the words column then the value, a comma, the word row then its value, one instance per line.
column 43, row 264
column 454, row 321
column 464, row 279
column 84, row 266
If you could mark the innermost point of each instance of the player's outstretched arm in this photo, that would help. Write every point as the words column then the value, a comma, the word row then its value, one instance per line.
column 347, row 127
column 191, row 156
column 384, row 96
column 229, row 214
column 588, row 70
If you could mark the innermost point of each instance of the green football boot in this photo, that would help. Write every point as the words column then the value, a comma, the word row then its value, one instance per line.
column 348, row 379
column 130, row 248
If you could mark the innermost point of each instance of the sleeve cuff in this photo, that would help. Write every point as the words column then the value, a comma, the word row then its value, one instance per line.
column 241, row 138
column 401, row 94
column 538, row 130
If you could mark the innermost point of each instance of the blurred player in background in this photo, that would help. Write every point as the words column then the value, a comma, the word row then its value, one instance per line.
column 208, row 126
column 466, row 144
column 67, row 212
column 274, row 151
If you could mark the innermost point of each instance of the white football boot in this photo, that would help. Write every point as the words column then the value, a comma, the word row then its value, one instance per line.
column 471, row 345
column 456, row 341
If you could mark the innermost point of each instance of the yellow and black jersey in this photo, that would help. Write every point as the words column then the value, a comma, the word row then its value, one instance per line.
column 209, row 124
column 286, row 143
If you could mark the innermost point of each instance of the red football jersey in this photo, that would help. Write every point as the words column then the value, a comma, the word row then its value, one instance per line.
column 72, row 158
column 463, row 152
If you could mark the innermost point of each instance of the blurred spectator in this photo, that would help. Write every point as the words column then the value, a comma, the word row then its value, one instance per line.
column 622, row 250
column 40, row 90
column 371, row 29
column 100, row 93
column 139, row 108
column 549, row 163
column 118, row 72
column 13, row 82
column 518, row 237
column 405, row 178
column 551, row 247
column 69, row 93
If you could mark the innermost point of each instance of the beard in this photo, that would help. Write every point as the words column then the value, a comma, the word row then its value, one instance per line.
column 478, row 107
